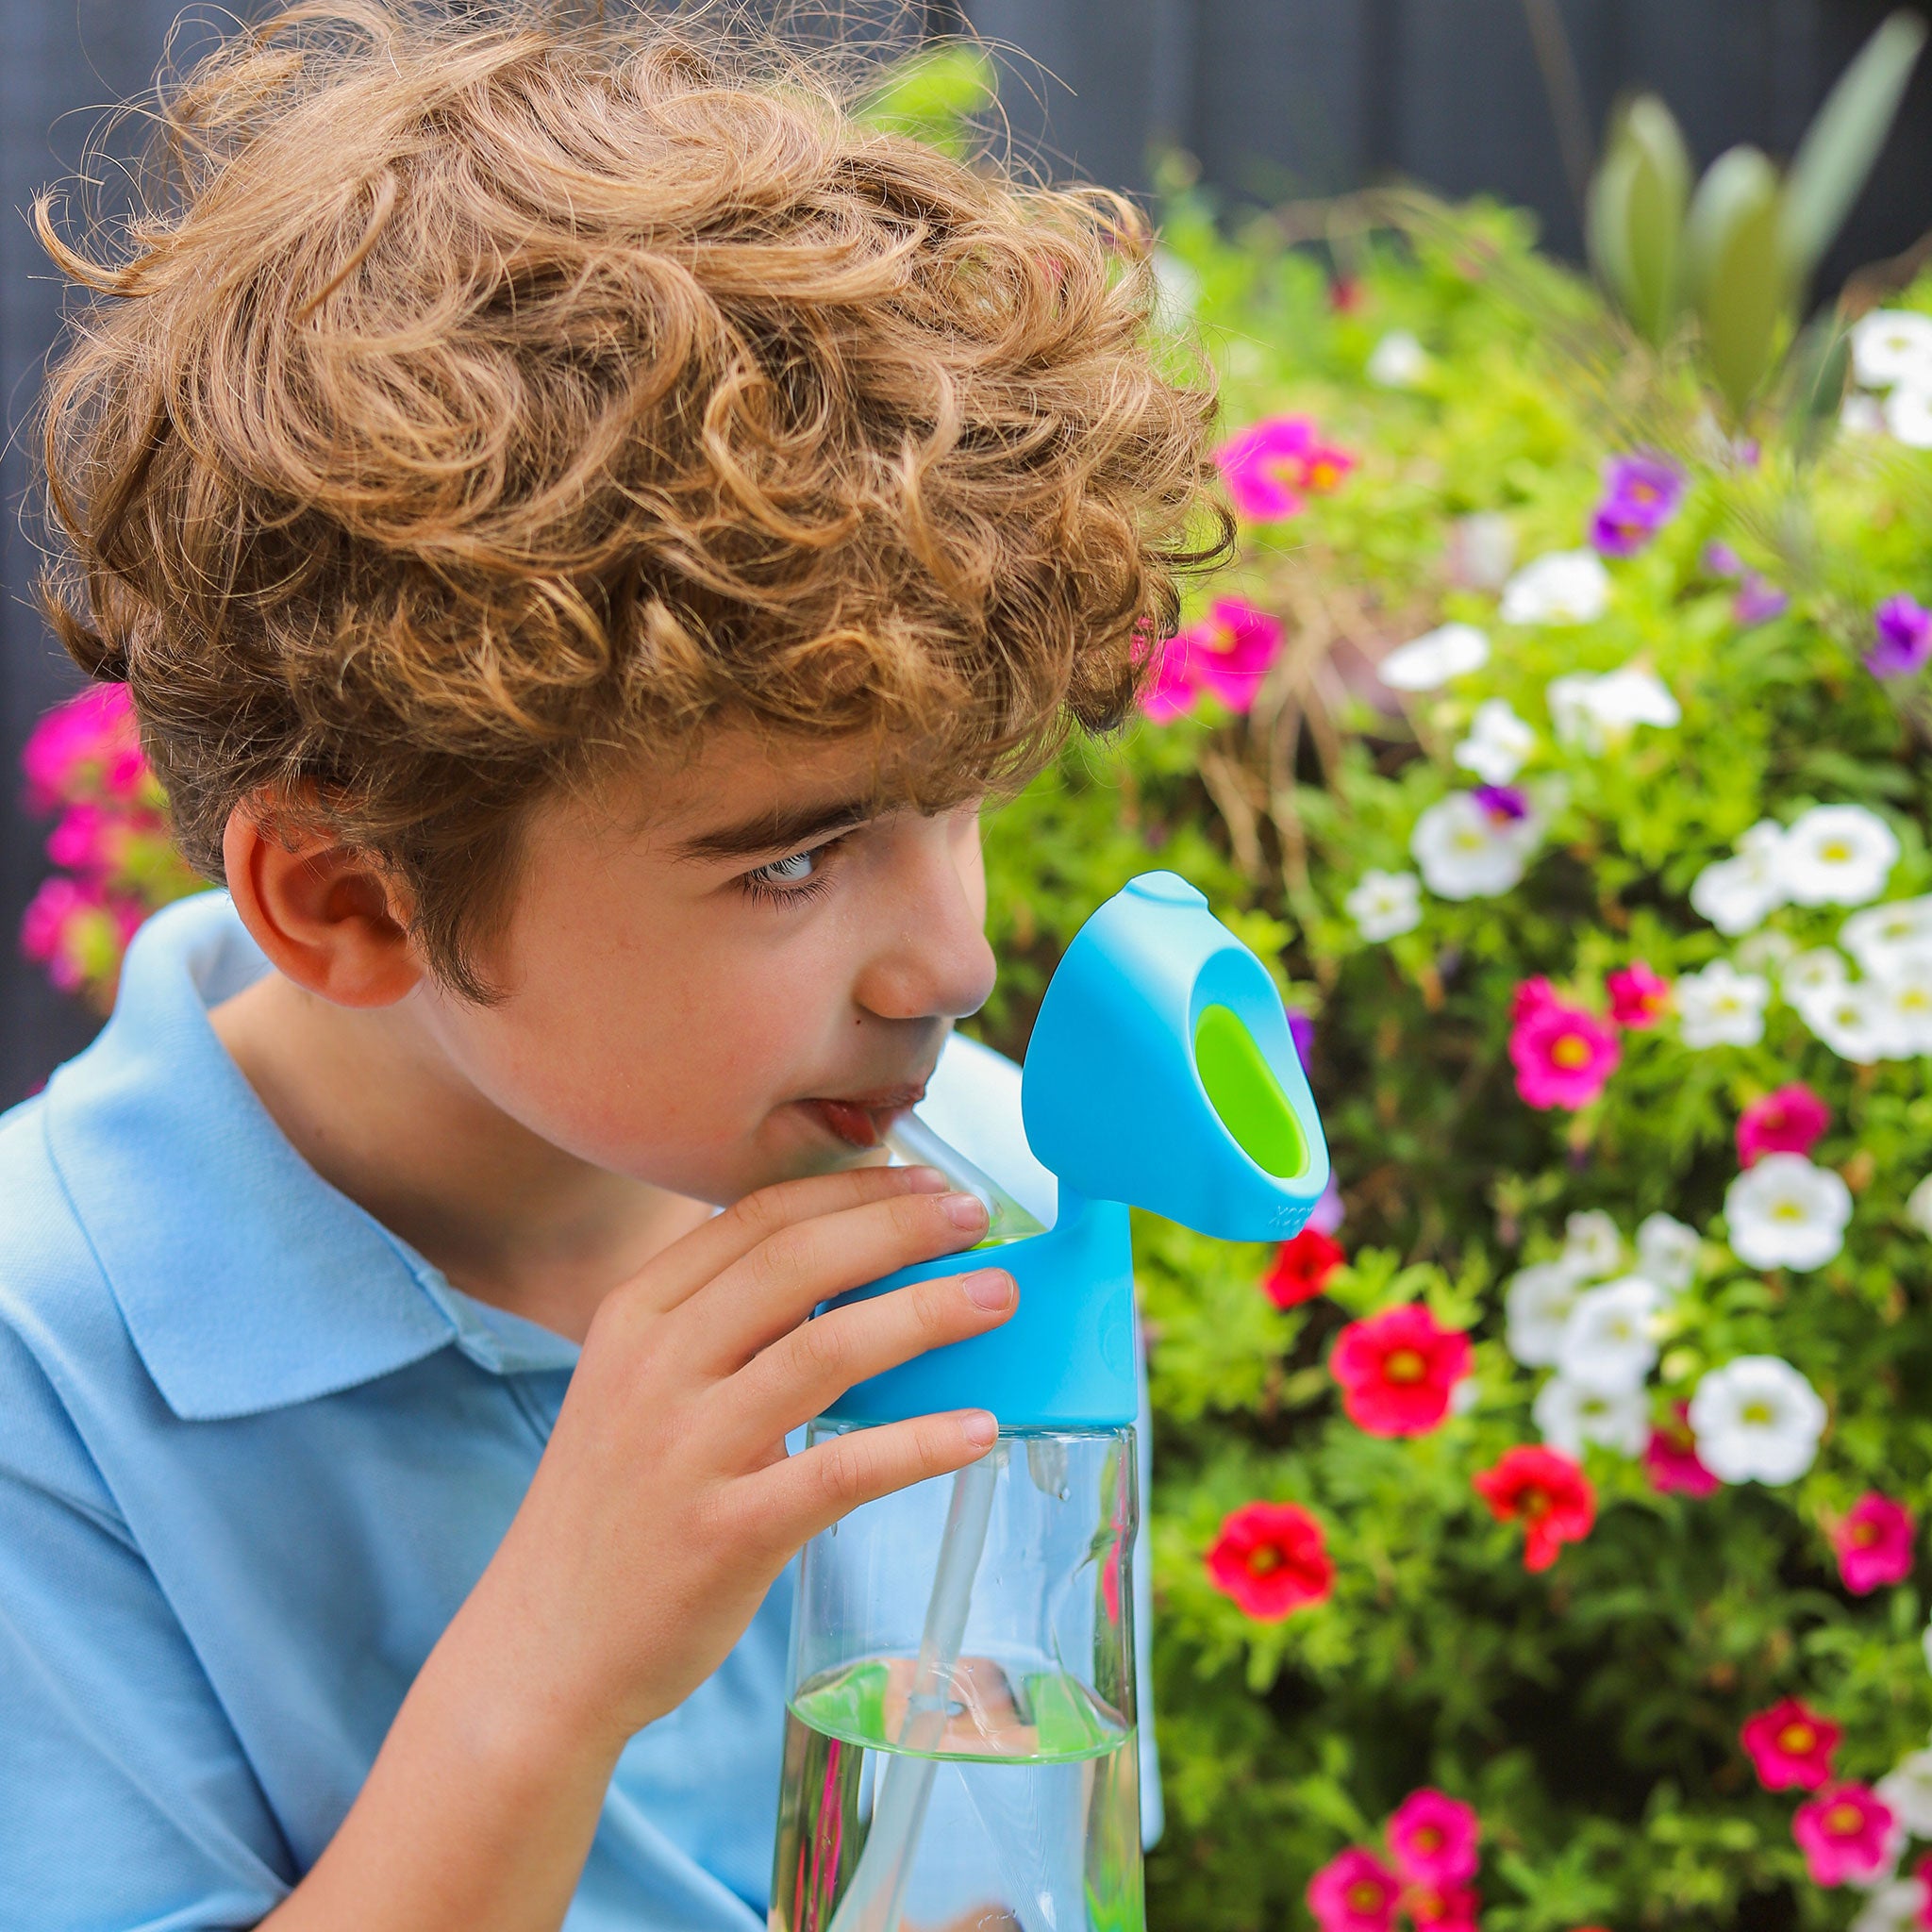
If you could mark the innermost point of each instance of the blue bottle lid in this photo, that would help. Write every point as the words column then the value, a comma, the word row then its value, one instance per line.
column 1161, row 1075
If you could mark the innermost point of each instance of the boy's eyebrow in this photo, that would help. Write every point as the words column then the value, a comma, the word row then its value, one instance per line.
column 777, row 828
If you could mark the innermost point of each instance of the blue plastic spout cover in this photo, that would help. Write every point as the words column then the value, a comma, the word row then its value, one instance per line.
column 1161, row 1075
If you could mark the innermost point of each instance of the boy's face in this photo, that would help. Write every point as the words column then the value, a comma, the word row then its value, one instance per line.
column 746, row 989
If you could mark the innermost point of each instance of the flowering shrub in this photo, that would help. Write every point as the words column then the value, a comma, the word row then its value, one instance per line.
column 1565, row 743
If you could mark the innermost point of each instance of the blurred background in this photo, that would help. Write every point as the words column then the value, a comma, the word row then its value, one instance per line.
column 1275, row 100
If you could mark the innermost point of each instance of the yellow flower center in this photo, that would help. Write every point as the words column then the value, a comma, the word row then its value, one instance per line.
column 1263, row 1560
column 1834, row 852
column 1571, row 1050
column 1843, row 1820
column 1405, row 1365
column 1796, row 1739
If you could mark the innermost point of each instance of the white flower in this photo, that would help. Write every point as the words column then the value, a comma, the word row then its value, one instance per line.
column 1721, row 1007
column 1904, row 994
column 1838, row 854
column 1862, row 415
column 1765, row 950
column 1880, row 934
column 1907, row 1789
column 1466, row 852
column 1569, row 1414
column 1737, row 893
column 1384, row 904
column 1595, row 711
column 1497, row 743
column 1564, row 587
column 1756, row 1417
column 1817, row 971
column 1482, row 550
column 1919, row 1206
column 1593, row 1248
column 1608, row 1341
column 1451, row 650
column 1538, row 1302
column 1787, row 1211
column 1907, row 413
column 1853, row 1019
column 1668, row 1253
column 1397, row 361
column 1892, row 345
column 1896, row 1905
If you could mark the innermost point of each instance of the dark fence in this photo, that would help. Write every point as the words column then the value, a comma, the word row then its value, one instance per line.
column 1278, row 98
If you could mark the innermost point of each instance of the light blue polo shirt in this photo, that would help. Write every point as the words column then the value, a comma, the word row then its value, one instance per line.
column 254, row 1451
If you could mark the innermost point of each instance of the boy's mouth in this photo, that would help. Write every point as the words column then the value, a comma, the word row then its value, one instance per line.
column 862, row 1120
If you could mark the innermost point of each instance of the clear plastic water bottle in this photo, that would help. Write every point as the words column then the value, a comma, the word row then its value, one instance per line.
column 961, row 1752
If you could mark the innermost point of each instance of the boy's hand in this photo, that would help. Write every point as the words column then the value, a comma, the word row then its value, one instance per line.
column 665, row 1504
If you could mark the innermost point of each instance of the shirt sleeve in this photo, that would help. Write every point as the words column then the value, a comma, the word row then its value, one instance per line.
column 126, row 1804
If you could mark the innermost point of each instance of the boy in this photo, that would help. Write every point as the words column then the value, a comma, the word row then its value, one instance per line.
column 583, row 526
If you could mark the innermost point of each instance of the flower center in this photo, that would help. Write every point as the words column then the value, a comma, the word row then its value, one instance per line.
column 1844, row 1821
column 1365, row 1896
column 1834, row 852
column 1787, row 1210
column 1864, row 1534
column 1264, row 1560
column 1758, row 1414
column 1430, row 1839
column 1535, row 1504
column 1796, row 1739
column 1405, row 1365
column 1571, row 1050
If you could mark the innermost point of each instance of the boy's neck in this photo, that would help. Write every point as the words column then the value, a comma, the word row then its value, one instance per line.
column 507, row 1216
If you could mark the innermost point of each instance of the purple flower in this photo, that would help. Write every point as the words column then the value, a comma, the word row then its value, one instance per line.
column 1720, row 560
column 1503, row 802
column 1641, row 495
column 1904, row 637
column 1302, row 1031
column 1759, row 600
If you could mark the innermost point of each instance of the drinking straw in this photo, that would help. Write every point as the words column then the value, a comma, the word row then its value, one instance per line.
column 874, row 1901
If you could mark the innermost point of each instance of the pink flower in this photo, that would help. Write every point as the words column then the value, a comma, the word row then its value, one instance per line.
column 88, row 745
column 1846, row 1832
column 1638, row 998
column 1354, row 1892
column 1562, row 1054
column 1270, row 464
column 1874, row 1544
column 1227, row 653
column 1441, row 1909
column 1398, row 1370
column 1671, row 1460
column 1787, row 1121
column 1271, row 1559
column 1789, row 1744
column 1432, row 1840
column 77, row 931
column 1546, row 1493
column 88, row 839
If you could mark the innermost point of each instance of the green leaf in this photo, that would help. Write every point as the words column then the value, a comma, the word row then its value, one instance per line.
column 1844, row 141
column 1736, row 271
column 1658, row 187
column 931, row 96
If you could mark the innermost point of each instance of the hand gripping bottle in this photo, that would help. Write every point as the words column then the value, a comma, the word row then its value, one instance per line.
column 960, row 1748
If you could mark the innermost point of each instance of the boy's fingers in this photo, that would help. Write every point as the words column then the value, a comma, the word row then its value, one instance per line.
column 778, row 1283
column 707, row 1250
column 795, row 1500
column 803, row 1372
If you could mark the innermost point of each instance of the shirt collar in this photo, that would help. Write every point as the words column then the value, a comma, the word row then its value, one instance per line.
column 247, row 1282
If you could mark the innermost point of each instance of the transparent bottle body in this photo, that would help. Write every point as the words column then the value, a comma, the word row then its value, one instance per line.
column 960, row 1748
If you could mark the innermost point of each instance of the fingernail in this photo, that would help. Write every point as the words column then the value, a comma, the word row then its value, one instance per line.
column 923, row 1180
column 979, row 1429
column 965, row 1210
column 989, row 1290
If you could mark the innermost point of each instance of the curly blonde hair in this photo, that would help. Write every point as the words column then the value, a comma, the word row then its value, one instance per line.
column 472, row 401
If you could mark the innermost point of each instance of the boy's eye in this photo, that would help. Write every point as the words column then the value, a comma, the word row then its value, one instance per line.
column 794, row 876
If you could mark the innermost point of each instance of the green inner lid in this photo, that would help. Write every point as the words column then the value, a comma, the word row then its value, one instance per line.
column 1247, row 1096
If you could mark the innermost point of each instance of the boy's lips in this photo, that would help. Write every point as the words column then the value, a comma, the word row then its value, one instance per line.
column 861, row 1120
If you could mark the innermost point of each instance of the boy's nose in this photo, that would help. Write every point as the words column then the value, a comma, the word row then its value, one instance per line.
column 933, row 962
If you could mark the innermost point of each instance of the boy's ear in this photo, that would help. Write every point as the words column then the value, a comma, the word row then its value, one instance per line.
column 324, row 914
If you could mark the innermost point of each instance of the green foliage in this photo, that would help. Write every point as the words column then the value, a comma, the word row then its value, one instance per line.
column 1592, row 1712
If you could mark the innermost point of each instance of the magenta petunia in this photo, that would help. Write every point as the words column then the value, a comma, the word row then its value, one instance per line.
column 1904, row 629
column 1639, row 996
column 1432, row 1839
column 1873, row 1542
column 1272, row 466
column 1354, row 1892
column 1227, row 653
column 1672, row 1462
column 1847, row 1834
column 1562, row 1054
column 1641, row 495
column 1788, row 1121
column 1789, row 1744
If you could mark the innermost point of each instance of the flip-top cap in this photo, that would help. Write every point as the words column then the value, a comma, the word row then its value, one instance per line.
column 1162, row 1071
